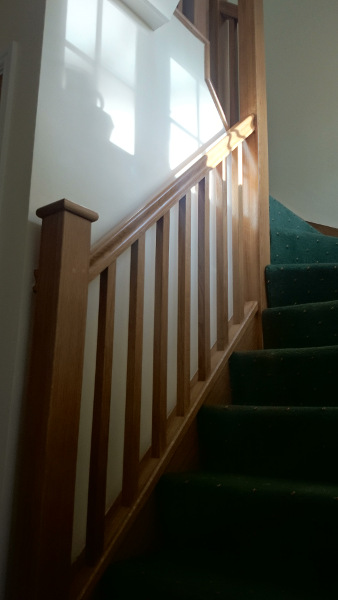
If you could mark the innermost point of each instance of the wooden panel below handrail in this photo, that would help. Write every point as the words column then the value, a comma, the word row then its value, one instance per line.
column 101, row 414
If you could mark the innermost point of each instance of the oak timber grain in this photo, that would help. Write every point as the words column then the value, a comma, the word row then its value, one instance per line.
column 131, row 456
column 101, row 415
column 120, row 238
column 214, row 25
column 233, row 72
column 228, row 10
column 255, row 150
column 160, row 352
column 325, row 229
column 119, row 521
column 183, row 309
column 201, row 17
column 221, row 255
column 203, row 279
column 52, row 409
column 237, row 239
column 237, row 134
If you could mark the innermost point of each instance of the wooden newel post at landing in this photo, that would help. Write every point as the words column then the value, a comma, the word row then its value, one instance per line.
column 52, row 412
column 255, row 149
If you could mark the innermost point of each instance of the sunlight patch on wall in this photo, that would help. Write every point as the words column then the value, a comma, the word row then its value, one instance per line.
column 109, row 64
column 184, row 134
column 81, row 33
column 192, row 123
column 181, row 145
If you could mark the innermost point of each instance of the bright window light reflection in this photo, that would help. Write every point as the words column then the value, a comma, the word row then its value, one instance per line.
column 81, row 25
column 181, row 145
column 107, row 63
column 183, row 98
column 183, row 114
column 193, row 123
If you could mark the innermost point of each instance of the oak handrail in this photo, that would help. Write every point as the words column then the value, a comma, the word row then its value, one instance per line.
column 114, row 243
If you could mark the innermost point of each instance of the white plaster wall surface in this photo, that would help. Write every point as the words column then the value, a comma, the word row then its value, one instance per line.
column 21, row 22
column 302, row 88
column 120, row 106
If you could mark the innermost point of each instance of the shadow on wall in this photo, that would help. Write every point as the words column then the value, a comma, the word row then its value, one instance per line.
column 85, row 107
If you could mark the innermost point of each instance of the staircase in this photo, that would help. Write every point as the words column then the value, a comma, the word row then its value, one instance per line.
column 259, row 519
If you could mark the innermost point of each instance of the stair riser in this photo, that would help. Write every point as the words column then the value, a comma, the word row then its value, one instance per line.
column 275, row 442
column 300, row 284
column 306, row 325
column 289, row 377
column 221, row 512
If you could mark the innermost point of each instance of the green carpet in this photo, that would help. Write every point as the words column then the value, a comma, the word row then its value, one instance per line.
column 259, row 520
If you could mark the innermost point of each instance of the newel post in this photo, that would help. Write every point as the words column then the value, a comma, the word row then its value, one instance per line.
column 252, row 85
column 51, row 418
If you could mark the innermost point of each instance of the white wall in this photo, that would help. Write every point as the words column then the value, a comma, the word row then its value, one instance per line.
column 21, row 22
column 302, row 89
column 120, row 106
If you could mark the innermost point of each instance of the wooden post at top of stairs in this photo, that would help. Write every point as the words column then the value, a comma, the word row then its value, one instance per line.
column 252, row 87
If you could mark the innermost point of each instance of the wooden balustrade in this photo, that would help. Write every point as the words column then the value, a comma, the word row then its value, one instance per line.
column 56, row 372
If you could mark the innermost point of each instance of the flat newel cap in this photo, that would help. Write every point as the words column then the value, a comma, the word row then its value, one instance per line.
column 67, row 205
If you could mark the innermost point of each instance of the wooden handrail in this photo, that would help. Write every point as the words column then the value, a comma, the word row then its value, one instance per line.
column 228, row 10
column 114, row 243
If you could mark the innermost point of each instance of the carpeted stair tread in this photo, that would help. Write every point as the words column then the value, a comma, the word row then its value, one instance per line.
column 292, row 240
column 190, row 574
column 300, row 326
column 259, row 518
column 283, row 442
column 285, row 377
column 282, row 218
column 300, row 284
column 289, row 247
